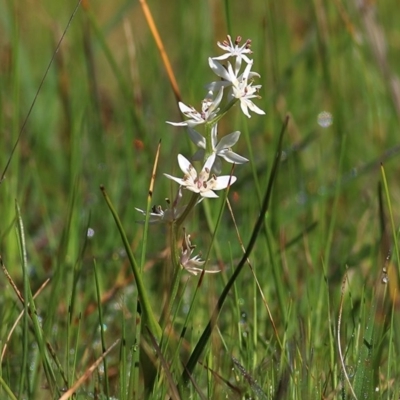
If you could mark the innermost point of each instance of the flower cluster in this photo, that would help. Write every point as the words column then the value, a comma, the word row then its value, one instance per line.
column 235, row 85
column 240, row 88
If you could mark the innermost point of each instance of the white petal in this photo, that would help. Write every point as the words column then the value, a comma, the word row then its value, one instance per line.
column 186, row 109
column 195, row 122
column 214, row 134
column 217, row 99
column 214, row 86
column 247, row 59
column 209, row 194
column 243, row 106
column 238, row 64
column 218, row 69
column 224, row 56
column 228, row 140
column 186, row 166
column 254, row 108
column 223, row 181
column 179, row 180
column 193, row 188
column 196, row 138
column 247, row 70
column 232, row 157
column 253, row 74
column 217, row 167
column 209, row 163
column 232, row 76
column 184, row 123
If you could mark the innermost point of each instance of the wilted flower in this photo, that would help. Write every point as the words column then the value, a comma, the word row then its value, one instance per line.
column 168, row 215
column 193, row 264
column 158, row 215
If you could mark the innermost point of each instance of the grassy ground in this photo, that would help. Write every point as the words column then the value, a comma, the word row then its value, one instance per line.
column 313, row 313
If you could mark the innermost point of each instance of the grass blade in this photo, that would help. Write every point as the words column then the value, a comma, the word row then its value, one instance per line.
column 260, row 221
column 148, row 314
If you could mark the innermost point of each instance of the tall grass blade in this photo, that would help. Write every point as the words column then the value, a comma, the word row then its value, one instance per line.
column 194, row 357
column 148, row 314
column 6, row 388
column 101, row 325
column 30, row 309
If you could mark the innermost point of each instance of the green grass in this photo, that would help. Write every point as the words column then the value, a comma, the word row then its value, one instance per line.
column 308, row 316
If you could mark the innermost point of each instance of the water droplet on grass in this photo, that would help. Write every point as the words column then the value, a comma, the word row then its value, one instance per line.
column 90, row 233
column 325, row 119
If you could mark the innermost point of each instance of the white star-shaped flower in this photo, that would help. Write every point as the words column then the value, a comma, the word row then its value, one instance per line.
column 228, row 75
column 209, row 109
column 245, row 91
column 234, row 50
column 241, row 86
column 199, row 183
column 221, row 149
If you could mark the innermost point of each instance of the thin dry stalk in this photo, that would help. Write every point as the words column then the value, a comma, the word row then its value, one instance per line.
column 161, row 49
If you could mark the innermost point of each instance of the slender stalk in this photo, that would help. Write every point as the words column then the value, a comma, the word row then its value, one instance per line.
column 7, row 389
column 192, row 202
column 103, row 342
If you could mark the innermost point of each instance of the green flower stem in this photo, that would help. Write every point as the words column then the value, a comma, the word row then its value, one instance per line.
column 193, row 201
column 208, row 127
column 175, row 228
column 207, row 135
column 177, row 273
column 222, row 112
column 174, row 246
column 148, row 315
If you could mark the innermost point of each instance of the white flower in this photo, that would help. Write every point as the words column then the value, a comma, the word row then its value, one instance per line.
column 245, row 91
column 199, row 183
column 228, row 75
column 193, row 264
column 209, row 109
column 221, row 149
column 241, row 88
column 235, row 51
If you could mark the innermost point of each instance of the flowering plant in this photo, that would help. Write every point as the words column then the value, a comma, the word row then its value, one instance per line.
column 237, row 86
column 234, row 86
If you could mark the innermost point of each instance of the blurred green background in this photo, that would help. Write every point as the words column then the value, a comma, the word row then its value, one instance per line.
column 101, row 112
